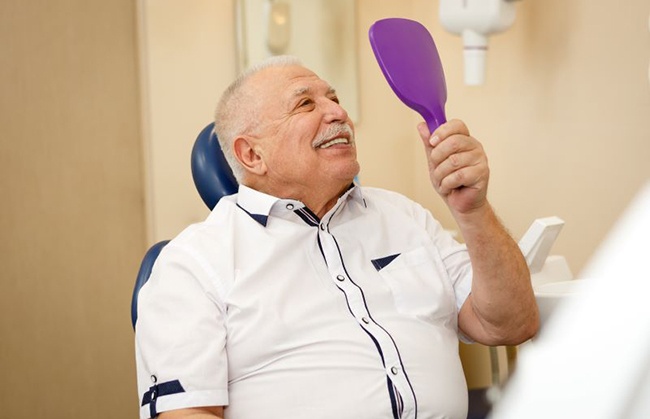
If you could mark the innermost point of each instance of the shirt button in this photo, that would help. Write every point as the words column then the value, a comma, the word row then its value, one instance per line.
column 340, row 278
column 394, row 370
column 289, row 207
column 322, row 227
column 365, row 320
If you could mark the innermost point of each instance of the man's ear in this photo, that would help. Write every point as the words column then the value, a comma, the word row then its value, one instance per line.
column 248, row 155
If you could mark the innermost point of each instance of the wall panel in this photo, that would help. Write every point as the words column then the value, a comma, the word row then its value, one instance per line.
column 72, row 217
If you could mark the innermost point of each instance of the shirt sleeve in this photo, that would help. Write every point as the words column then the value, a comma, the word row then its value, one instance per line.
column 455, row 258
column 180, row 336
column 459, row 269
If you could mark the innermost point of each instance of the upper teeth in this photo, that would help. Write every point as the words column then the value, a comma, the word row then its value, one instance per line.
column 334, row 141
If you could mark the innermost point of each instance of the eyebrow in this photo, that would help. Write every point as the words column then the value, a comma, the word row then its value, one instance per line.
column 306, row 90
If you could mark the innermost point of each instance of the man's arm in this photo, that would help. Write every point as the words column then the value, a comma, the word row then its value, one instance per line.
column 194, row 413
column 501, row 308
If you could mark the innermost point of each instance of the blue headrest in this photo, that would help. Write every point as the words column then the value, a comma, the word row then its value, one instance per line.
column 210, row 170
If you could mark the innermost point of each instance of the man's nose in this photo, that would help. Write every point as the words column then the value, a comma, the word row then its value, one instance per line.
column 335, row 112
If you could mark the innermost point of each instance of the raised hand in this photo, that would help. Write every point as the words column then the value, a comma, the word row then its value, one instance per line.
column 458, row 166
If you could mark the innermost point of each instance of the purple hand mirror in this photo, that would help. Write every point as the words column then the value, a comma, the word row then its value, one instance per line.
column 409, row 60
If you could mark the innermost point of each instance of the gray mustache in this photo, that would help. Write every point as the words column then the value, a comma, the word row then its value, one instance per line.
column 334, row 130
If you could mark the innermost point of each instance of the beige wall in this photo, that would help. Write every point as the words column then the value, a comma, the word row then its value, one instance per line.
column 187, row 56
column 562, row 116
column 72, row 217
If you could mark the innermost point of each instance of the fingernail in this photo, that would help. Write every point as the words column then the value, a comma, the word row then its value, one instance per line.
column 434, row 141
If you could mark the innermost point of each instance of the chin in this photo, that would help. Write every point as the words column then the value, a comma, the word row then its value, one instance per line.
column 351, row 171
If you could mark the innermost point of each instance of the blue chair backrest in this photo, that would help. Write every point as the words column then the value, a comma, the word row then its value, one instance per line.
column 210, row 170
column 143, row 275
column 213, row 179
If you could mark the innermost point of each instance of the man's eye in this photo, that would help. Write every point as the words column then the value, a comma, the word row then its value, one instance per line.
column 305, row 102
column 335, row 99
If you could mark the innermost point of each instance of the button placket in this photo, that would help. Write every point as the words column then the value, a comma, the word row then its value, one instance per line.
column 357, row 305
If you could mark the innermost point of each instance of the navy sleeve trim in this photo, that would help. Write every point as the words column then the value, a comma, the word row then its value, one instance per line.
column 158, row 390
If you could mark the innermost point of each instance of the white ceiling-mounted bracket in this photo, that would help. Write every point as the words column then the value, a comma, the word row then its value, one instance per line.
column 475, row 20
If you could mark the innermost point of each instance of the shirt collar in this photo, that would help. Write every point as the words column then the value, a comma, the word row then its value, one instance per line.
column 259, row 205
column 255, row 203
column 354, row 193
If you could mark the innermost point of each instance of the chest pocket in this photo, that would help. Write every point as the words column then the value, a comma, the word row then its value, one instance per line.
column 418, row 282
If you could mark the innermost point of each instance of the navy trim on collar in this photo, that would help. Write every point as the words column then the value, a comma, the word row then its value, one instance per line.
column 259, row 205
column 260, row 218
column 355, row 193
column 308, row 216
column 255, row 203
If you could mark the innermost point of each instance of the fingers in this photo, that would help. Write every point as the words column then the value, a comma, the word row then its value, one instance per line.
column 455, row 159
column 465, row 176
column 452, row 127
column 455, row 126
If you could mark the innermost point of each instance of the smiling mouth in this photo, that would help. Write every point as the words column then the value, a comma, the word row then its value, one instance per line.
column 334, row 141
column 335, row 134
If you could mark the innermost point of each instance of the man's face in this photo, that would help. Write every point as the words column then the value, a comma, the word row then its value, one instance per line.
column 304, row 136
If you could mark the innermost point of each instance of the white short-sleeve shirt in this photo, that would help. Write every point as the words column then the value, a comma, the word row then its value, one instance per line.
column 274, row 313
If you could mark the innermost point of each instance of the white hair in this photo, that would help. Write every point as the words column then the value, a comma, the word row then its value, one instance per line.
column 236, row 112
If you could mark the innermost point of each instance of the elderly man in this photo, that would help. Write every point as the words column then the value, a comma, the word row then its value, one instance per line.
column 307, row 296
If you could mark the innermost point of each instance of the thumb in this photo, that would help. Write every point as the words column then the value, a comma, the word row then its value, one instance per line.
column 423, row 130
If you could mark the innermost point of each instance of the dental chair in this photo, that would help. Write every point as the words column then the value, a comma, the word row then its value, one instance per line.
column 213, row 179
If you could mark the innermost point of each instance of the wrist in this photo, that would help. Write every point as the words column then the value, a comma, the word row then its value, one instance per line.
column 478, row 216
